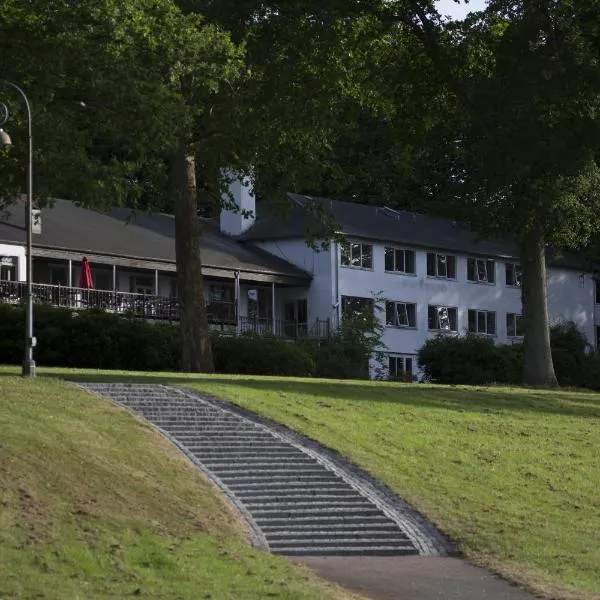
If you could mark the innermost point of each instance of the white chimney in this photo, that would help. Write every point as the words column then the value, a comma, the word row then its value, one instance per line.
column 235, row 222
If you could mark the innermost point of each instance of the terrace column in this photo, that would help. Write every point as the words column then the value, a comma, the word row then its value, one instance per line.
column 273, row 306
column 156, row 282
column 236, row 292
column 70, row 280
column 114, row 278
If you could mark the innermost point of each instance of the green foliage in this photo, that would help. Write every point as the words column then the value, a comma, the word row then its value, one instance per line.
column 105, row 79
column 471, row 359
column 570, row 353
column 257, row 355
column 476, row 360
column 93, row 339
column 347, row 352
column 100, row 340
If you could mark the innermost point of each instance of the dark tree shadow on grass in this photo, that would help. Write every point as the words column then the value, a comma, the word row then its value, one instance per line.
column 579, row 403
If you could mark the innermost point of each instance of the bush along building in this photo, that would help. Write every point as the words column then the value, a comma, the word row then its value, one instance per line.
column 429, row 276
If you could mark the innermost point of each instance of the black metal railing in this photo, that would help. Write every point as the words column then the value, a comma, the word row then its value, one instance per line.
column 281, row 328
column 160, row 308
column 138, row 305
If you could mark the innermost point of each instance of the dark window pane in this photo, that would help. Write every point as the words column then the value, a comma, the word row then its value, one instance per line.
column 402, row 314
column 453, row 317
column 482, row 270
column 491, row 323
column 472, row 320
column 355, row 257
column 519, row 325
column 432, row 317
column 408, row 366
column 491, row 271
column 412, row 315
column 367, row 257
column 481, row 322
column 400, row 261
column 390, row 310
column 389, row 259
column 392, row 366
column 510, row 325
column 451, row 260
column 510, row 274
column 345, row 256
column 409, row 258
column 431, row 264
column 442, row 265
column 471, row 269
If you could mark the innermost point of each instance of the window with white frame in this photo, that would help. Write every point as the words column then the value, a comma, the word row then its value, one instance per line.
column 514, row 325
column 400, row 367
column 8, row 268
column 399, row 260
column 357, row 307
column 442, row 318
column 482, row 321
column 481, row 270
column 513, row 275
column 356, row 255
column 441, row 265
column 400, row 314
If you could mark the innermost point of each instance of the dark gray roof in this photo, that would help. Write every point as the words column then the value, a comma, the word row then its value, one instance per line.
column 121, row 233
column 386, row 225
column 378, row 224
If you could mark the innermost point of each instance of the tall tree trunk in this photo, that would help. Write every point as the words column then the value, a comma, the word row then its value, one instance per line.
column 538, row 368
column 196, row 355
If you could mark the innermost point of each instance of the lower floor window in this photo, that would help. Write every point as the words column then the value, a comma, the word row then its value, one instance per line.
column 400, row 314
column 482, row 321
column 260, row 303
column 514, row 325
column 400, row 367
column 442, row 318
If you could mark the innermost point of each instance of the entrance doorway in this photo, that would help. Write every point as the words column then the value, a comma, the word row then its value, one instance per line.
column 295, row 318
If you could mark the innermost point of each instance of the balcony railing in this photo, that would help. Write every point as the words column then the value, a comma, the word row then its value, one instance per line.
column 280, row 328
column 138, row 305
column 160, row 308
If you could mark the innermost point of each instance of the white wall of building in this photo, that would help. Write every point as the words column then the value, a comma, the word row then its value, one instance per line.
column 10, row 250
column 571, row 293
column 321, row 297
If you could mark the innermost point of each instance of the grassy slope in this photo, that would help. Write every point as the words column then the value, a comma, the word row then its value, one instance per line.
column 511, row 475
column 94, row 504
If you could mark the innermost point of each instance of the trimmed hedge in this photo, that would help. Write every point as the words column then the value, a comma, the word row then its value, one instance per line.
column 99, row 340
column 89, row 339
column 476, row 360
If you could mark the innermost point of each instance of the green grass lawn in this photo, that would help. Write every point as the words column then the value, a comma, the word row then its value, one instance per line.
column 95, row 504
column 512, row 476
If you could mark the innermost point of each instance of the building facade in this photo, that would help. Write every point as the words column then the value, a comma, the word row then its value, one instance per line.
column 431, row 276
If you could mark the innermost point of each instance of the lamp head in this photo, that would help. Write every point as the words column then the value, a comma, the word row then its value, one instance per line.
column 5, row 138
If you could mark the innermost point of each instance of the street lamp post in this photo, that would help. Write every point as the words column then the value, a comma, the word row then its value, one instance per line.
column 28, row 369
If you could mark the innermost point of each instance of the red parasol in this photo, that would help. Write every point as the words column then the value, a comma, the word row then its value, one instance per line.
column 85, row 279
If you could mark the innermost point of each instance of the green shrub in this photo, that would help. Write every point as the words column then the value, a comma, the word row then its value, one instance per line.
column 92, row 339
column 570, row 350
column 469, row 359
column 476, row 360
column 252, row 354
